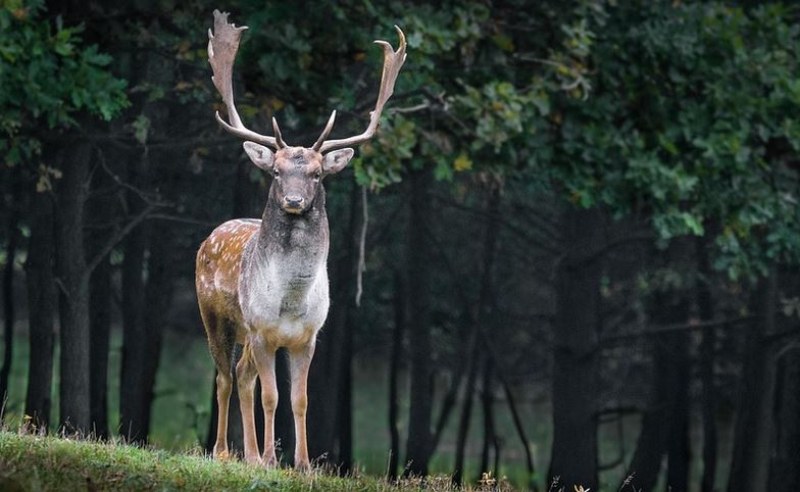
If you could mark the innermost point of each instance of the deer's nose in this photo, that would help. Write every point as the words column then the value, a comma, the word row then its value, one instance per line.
column 294, row 201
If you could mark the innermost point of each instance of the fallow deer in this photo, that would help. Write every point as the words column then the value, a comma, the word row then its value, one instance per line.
column 264, row 283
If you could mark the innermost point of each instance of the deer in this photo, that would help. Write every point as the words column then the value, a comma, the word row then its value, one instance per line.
column 263, row 284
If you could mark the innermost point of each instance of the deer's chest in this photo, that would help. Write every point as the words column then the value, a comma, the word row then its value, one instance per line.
column 285, row 296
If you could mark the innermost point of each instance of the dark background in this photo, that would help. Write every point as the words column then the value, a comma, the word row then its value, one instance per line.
column 580, row 249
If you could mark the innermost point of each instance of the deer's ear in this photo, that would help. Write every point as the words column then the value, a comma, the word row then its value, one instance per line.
column 335, row 161
column 260, row 155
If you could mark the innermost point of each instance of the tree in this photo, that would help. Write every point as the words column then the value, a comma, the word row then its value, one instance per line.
column 49, row 80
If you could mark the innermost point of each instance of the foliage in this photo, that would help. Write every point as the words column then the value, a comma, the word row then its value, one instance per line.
column 49, row 75
column 694, row 122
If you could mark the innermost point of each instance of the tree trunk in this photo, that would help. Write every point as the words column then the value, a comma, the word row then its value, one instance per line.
column 394, row 373
column 487, row 406
column 102, row 212
column 73, row 279
column 478, row 319
column 466, row 413
column 665, row 424
column 575, row 378
column 284, row 420
column 753, row 429
column 678, row 448
column 531, row 482
column 345, row 400
column 100, row 326
column 785, row 466
column 707, row 357
column 8, row 286
column 419, row 422
column 158, row 299
column 134, row 334
column 41, row 310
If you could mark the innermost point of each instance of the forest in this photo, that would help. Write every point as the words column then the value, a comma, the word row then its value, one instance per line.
column 569, row 257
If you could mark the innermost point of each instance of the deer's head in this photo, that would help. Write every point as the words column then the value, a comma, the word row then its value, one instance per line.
column 297, row 171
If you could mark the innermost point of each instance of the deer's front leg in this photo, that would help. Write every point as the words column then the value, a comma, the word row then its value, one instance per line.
column 264, row 357
column 300, row 361
column 246, row 379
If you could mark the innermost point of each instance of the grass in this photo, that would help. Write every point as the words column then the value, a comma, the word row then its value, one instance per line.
column 45, row 463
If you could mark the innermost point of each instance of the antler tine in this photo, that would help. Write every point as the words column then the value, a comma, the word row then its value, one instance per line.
column 277, row 131
column 392, row 62
column 325, row 132
column 223, row 43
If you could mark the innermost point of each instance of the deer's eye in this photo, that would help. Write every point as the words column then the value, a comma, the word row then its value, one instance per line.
column 317, row 174
column 276, row 173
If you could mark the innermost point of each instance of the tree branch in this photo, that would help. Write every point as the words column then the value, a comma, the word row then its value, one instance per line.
column 118, row 236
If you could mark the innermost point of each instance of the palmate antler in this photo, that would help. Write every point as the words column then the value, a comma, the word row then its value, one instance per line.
column 223, row 44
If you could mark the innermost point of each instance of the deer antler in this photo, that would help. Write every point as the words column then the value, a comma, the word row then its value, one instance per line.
column 392, row 61
column 223, row 44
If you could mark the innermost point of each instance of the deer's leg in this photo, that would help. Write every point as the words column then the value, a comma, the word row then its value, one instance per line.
column 220, row 344
column 246, row 378
column 264, row 358
column 224, row 385
column 300, row 361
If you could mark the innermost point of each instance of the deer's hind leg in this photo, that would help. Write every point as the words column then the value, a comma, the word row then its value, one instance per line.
column 221, row 342
column 246, row 379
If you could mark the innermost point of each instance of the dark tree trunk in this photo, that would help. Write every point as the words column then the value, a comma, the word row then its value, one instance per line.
column 158, row 299
column 8, row 285
column 531, row 483
column 134, row 334
column 665, row 424
column 478, row 319
column 707, row 357
column 487, row 406
column 73, row 278
column 345, row 400
column 100, row 326
column 41, row 310
column 753, row 429
column 575, row 378
column 284, row 421
column 785, row 466
column 466, row 414
column 102, row 212
column 145, row 302
column 394, row 373
column 678, row 448
column 419, row 422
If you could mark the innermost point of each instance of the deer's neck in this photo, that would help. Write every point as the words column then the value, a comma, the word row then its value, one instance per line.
column 284, row 271
column 283, row 234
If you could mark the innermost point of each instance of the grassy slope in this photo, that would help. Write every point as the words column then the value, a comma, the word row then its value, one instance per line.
column 46, row 463
column 36, row 463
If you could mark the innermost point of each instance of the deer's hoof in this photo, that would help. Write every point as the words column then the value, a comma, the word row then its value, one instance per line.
column 222, row 455
column 253, row 460
column 270, row 462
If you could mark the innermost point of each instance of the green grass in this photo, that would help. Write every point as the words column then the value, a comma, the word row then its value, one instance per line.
column 40, row 463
